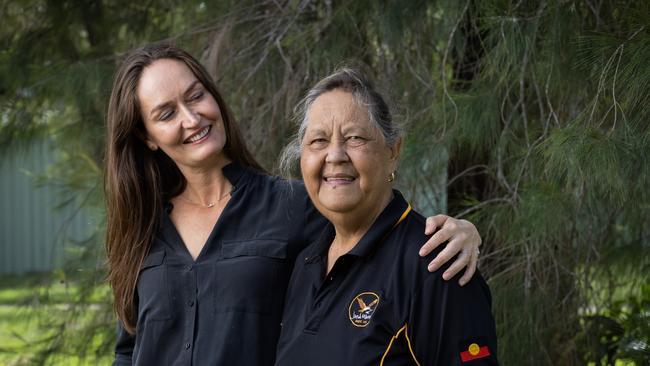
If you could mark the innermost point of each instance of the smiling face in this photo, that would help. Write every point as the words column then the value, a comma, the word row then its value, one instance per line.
column 180, row 116
column 345, row 160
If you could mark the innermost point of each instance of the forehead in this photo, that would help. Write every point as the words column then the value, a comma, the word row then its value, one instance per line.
column 337, row 107
column 163, row 79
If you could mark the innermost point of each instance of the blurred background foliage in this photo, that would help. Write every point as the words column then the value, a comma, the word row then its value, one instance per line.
column 529, row 118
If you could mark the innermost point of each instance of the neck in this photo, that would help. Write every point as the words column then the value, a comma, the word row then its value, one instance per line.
column 350, row 228
column 206, row 185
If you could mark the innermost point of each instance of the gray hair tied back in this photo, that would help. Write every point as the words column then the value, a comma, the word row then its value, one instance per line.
column 364, row 92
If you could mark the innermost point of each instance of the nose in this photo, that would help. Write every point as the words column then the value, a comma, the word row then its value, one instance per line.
column 336, row 153
column 190, row 118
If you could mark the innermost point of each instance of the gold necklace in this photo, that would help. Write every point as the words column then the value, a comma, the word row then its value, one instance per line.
column 207, row 205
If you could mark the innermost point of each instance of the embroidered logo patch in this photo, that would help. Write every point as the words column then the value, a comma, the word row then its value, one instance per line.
column 362, row 308
column 473, row 350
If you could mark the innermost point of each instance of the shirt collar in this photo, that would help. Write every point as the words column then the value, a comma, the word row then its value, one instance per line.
column 320, row 246
column 233, row 172
column 236, row 174
column 392, row 215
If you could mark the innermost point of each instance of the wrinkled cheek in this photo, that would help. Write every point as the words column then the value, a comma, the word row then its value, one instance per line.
column 311, row 168
column 313, row 186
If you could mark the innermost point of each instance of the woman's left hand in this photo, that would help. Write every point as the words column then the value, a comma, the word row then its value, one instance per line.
column 462, row 237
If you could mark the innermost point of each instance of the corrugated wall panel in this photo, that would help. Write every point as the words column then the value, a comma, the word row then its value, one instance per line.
column 32, row 235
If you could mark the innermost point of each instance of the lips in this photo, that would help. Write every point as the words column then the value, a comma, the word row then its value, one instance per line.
column 339, row 178
column 198, row 135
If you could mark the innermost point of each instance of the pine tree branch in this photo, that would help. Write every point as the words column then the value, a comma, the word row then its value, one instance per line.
column 480, row 205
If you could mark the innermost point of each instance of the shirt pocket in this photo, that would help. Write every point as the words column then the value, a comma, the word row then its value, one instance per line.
column 251, row 276
column 153, row 293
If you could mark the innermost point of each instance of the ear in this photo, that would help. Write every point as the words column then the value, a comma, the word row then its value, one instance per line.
column 394, row 154
column 151, row 145
column 143, row 136
column 395, row 149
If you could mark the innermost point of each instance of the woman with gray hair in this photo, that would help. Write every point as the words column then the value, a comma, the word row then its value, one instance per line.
column 360, row 294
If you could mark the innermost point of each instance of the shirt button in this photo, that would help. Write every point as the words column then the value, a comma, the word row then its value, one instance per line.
column 190, row 303
column 332, row 278
column 187, row 346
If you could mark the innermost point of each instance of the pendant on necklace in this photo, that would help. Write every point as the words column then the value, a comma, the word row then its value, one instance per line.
column 209, row 205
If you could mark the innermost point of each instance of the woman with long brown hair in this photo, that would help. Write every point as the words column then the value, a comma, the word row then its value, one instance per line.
column 201, row 241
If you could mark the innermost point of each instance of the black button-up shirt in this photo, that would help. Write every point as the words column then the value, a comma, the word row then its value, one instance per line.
column 379, row 305
column 225, row 307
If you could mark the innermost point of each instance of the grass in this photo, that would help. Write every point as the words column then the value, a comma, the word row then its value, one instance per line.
column 23, row 290
column 35, row 310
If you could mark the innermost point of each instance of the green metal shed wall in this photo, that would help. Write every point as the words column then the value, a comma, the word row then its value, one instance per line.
column 33, row 233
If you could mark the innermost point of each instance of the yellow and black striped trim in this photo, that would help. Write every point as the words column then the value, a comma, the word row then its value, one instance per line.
column 406, row 335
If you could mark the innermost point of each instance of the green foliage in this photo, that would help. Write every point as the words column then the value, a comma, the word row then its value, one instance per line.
column 538, row 110
column 567, row 162
column 621, row 331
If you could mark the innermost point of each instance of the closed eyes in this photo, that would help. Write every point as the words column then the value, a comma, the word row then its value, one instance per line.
column 169, row 113
column 166, row 115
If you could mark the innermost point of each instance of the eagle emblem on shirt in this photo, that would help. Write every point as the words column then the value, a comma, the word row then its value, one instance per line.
column 362, row 307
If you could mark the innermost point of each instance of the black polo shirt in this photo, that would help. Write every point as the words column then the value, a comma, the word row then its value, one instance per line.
column 380, row 306
column 224, row 308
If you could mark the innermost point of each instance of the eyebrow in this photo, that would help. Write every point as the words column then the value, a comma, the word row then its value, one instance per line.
column 315, row 131
column 164, row 105
column 354, row 128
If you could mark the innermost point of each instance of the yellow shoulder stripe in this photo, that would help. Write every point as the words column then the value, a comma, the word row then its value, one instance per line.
column 406, row 335
column 404, row 214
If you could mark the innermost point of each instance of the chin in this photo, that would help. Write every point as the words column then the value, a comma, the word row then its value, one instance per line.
column 206, row 158
column 339, row 206
column 211, row 149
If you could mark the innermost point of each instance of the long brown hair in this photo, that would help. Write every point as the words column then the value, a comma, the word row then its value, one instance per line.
column 137, row 180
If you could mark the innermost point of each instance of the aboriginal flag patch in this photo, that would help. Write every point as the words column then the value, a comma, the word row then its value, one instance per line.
column 473, row 349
